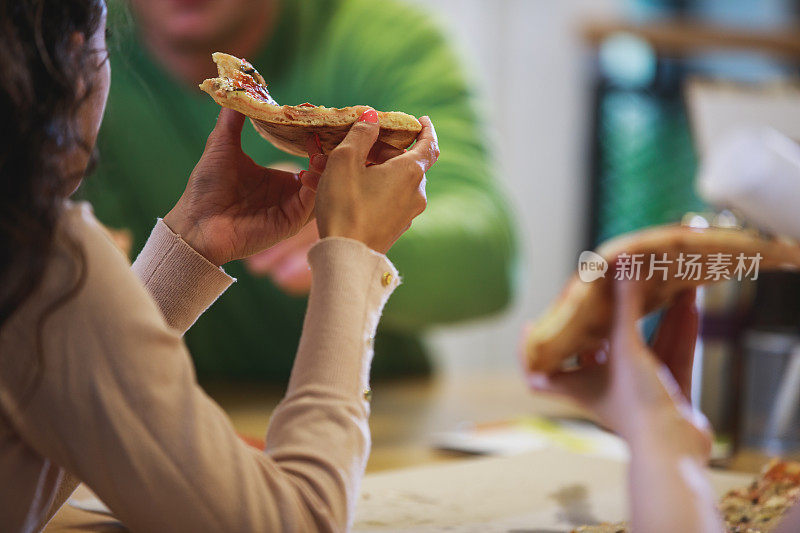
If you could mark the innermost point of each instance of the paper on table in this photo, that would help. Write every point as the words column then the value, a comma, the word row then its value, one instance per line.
column 526, row 434
column 548, row 491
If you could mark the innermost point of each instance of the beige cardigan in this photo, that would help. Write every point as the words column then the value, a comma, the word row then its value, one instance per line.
column 117, row 405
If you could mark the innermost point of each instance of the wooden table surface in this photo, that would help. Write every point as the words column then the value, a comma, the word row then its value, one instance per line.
column 405, row 413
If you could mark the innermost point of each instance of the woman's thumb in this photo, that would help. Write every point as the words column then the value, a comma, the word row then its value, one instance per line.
column 229, row 125
column 362, row 135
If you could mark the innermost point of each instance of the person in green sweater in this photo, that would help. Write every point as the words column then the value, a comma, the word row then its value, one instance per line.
column 458, row 260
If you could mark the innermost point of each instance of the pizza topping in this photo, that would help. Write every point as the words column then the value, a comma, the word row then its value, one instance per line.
column 248, row 84
column 245, row 78
column 294, row 111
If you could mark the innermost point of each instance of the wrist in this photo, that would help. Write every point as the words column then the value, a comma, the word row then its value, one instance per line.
column 186, row 228
column 351, row 232
column 666, row 433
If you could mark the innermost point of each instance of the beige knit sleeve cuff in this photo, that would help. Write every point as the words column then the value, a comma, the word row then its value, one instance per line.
column 181, row 281
column 350, row 286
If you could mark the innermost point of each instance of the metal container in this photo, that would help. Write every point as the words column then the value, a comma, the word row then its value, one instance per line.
column 770, row 406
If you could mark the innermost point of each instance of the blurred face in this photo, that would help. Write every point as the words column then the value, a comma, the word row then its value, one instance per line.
column 195, row 24
column 96, row 104
column 90, row 115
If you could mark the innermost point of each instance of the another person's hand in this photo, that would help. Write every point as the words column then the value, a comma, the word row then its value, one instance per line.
column 373, row 204
column 123, row 238
column 232, row 207
column 286, row 263
column 638, row 392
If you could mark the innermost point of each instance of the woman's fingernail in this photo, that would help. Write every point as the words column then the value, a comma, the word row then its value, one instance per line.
column 370, row 116
column 319, row 143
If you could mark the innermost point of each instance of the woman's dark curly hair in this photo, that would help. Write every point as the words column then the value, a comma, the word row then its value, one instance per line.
column 45, row 76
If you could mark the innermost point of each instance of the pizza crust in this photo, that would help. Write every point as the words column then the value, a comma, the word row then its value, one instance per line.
column 580, row 319
column 288, row 127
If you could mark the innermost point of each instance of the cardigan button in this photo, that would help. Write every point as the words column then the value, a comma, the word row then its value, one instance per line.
column 368, row 395
column 387, row 279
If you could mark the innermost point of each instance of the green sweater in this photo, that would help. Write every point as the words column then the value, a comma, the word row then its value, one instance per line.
column 458, row 259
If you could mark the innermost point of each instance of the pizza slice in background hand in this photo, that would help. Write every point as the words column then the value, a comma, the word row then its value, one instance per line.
column 579, row 322
column 240, row 87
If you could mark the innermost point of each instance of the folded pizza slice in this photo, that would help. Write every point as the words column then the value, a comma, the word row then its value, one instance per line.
column 239, row 86
column 668, row 260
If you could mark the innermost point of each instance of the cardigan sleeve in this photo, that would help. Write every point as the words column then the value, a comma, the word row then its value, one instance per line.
column 181, row 281
column 118, row 405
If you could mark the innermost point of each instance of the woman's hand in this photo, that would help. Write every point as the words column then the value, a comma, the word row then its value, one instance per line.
column 232, row 207
column 373, row 204
column 286, row 263
column 641, row 394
